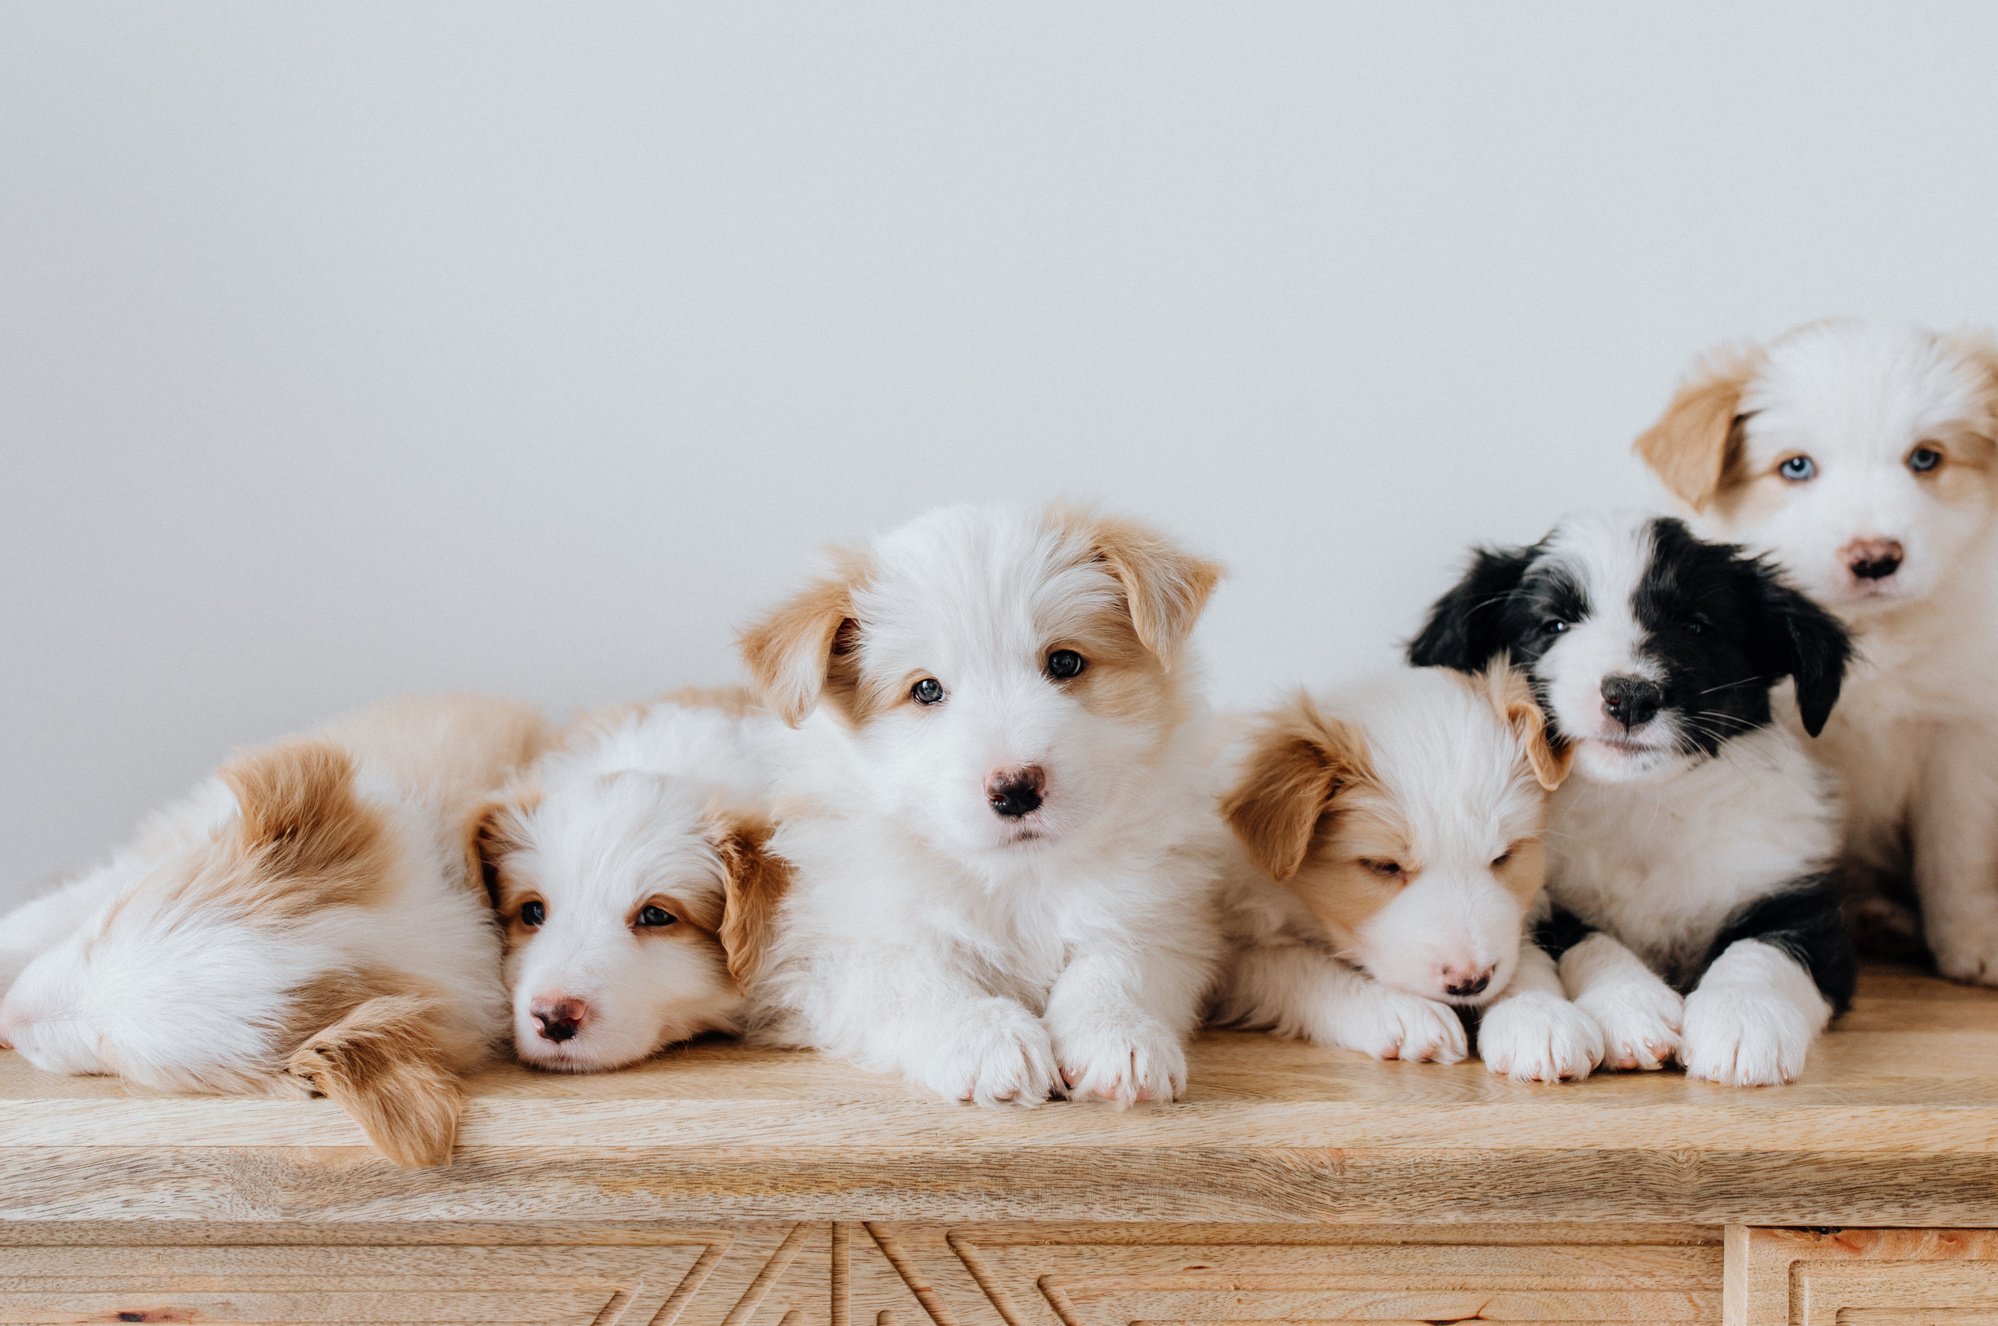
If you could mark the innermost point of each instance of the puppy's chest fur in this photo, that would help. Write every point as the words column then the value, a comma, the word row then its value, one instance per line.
column 1662, row 865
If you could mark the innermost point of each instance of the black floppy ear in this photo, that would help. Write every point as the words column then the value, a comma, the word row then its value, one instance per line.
column 1797, row 638
column 1466, row 627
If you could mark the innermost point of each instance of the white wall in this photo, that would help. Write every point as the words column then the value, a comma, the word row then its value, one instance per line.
column 349, row 348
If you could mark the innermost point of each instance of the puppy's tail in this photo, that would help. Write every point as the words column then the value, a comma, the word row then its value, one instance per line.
column 384, row 1064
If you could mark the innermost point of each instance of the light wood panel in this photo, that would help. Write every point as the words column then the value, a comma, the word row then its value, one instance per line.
column 1862, row 1277
column 1895, row 1123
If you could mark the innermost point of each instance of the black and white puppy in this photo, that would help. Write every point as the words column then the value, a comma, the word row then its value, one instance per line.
column 1693, row 914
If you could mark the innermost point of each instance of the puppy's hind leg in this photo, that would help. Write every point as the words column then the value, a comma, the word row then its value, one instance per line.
column 384, row 1064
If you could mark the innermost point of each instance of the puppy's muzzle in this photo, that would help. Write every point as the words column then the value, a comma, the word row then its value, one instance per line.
column 1873, row 559
column 1015, row 792
column 1632, row 701
column 559, row 1019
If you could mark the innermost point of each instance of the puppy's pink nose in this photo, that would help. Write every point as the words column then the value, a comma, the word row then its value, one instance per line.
column 1873, row 559
column 1015, row 792
column 1464, row 980
column 559, row 1019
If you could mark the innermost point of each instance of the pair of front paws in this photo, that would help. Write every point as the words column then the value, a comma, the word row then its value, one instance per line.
column 1002, row 1054
column 1734, row 1034
column 1529, row 1037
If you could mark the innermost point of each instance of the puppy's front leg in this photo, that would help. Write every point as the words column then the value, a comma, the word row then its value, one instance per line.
column 1531, row 1033
column 1120, row 1019
column 1296, row 990
column 1786, row 965
column 1639, row 1014
column 1955, row 840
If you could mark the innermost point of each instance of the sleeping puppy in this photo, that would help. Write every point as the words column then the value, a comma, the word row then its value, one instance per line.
column 631, row 873
column 1393, row 857
column 1862, row 456
column 999, row 886
column 307, row 921
column 1690, row 850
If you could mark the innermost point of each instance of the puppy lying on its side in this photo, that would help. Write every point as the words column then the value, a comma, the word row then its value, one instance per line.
column 1000, row 889
column 309, row 920
column 1690, row 849
column 1394, row 836
column 631, row 873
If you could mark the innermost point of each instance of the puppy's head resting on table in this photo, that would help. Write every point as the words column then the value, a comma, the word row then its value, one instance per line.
column 1862, row 455
column 635, row 910
column 1650, row 648
column 1010, row 678
column 1406, row 814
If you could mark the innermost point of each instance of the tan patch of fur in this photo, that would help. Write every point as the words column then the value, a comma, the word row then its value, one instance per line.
column 1334, row 880
column 735, row 701
column 383, row 1063
column 1298, row 762
column 1165, row 587
column 1695, row 448
column 755, row 882
column 457, row 747
column 1510, row 695
column 495, row 829
column 803, row 651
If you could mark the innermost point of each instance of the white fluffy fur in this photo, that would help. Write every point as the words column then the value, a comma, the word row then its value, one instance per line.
column 983, row 959
column 1913, row 736
column 119, row 972
column 1459, row 778
column 624, row 815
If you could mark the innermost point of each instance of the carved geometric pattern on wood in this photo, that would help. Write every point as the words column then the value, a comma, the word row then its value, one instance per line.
column 1862, row 1277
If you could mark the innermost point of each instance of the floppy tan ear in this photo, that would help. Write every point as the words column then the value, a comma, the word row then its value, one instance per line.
column 493, row 830
column 1695, row 447
column 1164, row 587
column 754, row 883
column 794, row 653
column 383, row 1064
column 1511, row 694
column 1299, row 761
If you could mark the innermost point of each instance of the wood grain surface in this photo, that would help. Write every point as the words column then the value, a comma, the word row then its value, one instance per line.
column 1894, row 1123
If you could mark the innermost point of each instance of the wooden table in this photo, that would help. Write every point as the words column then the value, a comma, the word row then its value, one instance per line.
column 724, row 1185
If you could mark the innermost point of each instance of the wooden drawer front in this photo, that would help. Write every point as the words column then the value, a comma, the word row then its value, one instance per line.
column 1862, row 1277
column 822, row 1274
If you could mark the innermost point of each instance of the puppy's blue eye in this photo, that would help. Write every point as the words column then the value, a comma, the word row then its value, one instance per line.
column 1923, row 459
column 1065, row 663
column 1555, row 626
column 655, row 916
column 533, row 914
column 1798, row 468
column 927, row 691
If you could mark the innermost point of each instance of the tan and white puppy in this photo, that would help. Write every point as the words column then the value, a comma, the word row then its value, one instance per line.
column 631, row 872
column 307, row 921
column 1000, row 892
column 1393, row 864
column 1862, row 455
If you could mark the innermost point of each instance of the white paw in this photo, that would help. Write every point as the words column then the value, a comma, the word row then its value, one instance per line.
column 998, row 1053
column 1742, row 1035
column 1389, row 1024
column 1640, row 1021
column 1539, row 1037
column 1966, row 952
column 1123, row 1059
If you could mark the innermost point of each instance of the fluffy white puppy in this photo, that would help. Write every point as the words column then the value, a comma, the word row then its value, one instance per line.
column 997, row 800
column 309, row 920
column 631, row 872
column 1863, row 457
column 1394, row 857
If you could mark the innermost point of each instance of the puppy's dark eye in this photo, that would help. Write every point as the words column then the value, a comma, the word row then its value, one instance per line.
column 1065, row 663
column 927, row 691
column 1923, row 459
column 1555, row 626
column 1698, row 625
column 1385, row 869
column 1500, row 861
column 655, row 916
column 533, row 913
column 1798, row 468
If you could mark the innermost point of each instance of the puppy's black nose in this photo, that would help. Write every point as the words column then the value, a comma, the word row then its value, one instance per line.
column 559, row 1019
column 1874, row 559
column 1015, row 792
column 1462, row 984
column 1632, row 701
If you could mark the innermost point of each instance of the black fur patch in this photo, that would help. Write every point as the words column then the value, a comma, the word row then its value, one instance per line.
column 1803, row 920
